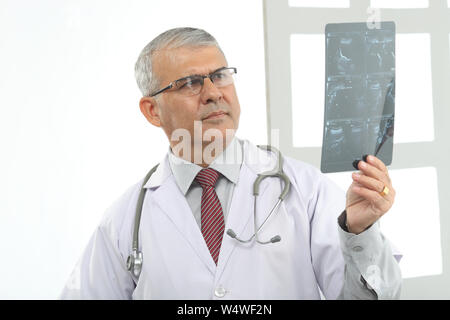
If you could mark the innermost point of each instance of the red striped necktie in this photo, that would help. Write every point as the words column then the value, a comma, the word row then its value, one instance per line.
column 213, row 223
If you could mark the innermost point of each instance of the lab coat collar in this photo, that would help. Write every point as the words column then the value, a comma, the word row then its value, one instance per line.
column 175, row 206
column 255, row 159
column 160, row 175
column 228, row 163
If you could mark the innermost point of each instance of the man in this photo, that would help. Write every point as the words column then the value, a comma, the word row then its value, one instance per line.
column 198, row 192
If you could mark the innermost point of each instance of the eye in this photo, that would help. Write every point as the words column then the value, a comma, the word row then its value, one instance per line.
column 190, row 82
column 219, row 75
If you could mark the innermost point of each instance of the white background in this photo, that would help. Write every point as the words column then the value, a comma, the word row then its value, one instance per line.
column 72, row 135
column 418, row 223
column 73, row 139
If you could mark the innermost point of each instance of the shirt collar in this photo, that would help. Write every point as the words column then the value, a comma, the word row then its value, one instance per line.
column 228, row 163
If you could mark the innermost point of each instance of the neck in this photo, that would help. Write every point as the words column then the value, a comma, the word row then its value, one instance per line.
column 202, row 153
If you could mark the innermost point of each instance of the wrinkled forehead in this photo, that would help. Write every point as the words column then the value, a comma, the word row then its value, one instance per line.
column 172, row 64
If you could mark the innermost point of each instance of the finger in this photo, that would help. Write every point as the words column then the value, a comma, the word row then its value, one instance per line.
column 373, row 160
column 368, row 182
column 372, row 171
column 372, row 184
column 382, row 203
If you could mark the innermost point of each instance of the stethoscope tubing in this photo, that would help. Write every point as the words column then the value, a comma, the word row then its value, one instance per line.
column 135, row 259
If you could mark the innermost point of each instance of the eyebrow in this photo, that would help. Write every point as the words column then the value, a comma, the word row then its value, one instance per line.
column 197, row 74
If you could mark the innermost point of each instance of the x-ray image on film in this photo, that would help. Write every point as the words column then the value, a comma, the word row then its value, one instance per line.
column 359, row 94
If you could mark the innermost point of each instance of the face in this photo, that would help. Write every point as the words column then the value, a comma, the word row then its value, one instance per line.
column 216, row 108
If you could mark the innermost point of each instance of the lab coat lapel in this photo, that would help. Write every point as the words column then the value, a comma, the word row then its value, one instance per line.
column 240, row 217
column 173, row 203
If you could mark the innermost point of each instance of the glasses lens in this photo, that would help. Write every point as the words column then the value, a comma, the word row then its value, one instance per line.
column 190, row 85
column 223, row 77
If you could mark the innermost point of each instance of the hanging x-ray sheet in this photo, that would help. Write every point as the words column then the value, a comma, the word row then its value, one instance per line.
column 359, row 94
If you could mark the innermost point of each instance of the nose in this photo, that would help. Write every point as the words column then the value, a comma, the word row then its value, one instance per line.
column 210, row 93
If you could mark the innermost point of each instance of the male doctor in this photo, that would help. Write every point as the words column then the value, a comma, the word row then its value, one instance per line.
column 330, row 241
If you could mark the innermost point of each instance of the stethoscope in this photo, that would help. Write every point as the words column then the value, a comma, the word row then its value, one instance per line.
column 135, row 259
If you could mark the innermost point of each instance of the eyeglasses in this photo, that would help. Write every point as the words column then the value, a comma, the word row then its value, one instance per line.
column 192, row 85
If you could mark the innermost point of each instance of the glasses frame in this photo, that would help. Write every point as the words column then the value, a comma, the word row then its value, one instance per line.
column 172, row 84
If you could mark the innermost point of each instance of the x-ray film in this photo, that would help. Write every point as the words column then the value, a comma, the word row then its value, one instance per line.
column 359, row 94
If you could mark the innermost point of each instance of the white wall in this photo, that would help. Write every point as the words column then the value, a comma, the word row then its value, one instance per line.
column 73, row 139
column 72, row 136
column 418, row 223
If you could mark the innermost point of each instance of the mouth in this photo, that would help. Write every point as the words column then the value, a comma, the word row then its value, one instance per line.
column 215, row 115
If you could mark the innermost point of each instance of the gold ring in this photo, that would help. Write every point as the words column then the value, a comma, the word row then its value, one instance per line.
column 385, row 191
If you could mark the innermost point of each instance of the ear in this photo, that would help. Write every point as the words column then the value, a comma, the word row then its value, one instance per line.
column 150, row 109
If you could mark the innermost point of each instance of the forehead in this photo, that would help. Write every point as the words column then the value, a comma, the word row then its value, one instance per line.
column 171, row 64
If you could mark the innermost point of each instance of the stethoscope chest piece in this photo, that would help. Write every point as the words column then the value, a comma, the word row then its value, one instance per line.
column 134, row 263
column 135, row 259
column 276, row 172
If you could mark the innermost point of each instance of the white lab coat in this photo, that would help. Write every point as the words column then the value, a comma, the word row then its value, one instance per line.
column 178, row 265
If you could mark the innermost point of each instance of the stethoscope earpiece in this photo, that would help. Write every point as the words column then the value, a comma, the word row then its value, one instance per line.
column 275, row 239
column 275, row 172
column 231, row 233
column 135, row 259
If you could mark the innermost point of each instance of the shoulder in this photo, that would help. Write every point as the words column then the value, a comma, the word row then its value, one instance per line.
column 297, row 168
column 120, row 214
column 260, row 160
column 304, row 173
column 308, row 181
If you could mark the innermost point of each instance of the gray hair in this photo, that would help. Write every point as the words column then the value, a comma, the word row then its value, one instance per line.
column 170, row 39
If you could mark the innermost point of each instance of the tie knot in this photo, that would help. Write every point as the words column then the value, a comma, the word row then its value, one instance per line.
column 207, row 177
